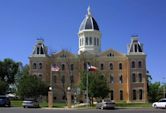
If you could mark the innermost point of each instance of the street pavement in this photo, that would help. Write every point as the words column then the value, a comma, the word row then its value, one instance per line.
column 46, row 110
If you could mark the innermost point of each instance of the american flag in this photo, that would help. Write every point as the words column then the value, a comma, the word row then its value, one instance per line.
column 55, row 68
column 91, row 68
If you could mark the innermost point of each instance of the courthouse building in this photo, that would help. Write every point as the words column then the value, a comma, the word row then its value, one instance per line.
column 125, row 73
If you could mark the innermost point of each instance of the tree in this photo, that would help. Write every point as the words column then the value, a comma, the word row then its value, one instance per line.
column 97, row 85
column 31, row 87
column 3, row 87
column 155, row 92
column 8, row 70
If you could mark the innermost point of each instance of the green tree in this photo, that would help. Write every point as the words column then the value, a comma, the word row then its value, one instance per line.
column 97, row 85
column 8, row 70
column 3, row 87
column 31, row 87
column 155, row 92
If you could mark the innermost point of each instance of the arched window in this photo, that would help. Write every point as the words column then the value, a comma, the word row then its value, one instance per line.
column 40, row 76
column 63, row 67
column 140, row 94
column 111, row 79
column 121, row 95
column 139, row 64
column 97, row 42
column 71, row 79
column 34, row 66
column 134, row 95
column 63, row 79
column 112, row 94
column 40, row 65
column 133, row 77
column 132, row 64
column 120, row 66
column 94, row 40
column 102, row 66
column 41, row 50
column 140, row 77
column 86, row 41
column 54, row 78
column 121, row 79
column 37, row 50
column 111, row 66
column 72, row 67
column 90, row 41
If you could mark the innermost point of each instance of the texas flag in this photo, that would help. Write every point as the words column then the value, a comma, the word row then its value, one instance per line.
column 91, row 68
column 55, row 68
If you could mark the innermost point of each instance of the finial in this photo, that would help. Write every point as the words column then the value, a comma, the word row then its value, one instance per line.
column 89, row 12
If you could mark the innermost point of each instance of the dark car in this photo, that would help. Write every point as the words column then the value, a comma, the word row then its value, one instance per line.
column 106, row 104
column 30, row 103
column 4, row 101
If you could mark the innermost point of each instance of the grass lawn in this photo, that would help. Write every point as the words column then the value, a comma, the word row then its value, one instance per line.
column 18, row 103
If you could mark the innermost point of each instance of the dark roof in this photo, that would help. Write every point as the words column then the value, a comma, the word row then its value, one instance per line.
column 89, row 23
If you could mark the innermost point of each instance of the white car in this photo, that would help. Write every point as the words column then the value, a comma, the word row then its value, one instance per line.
column 160, row 104
column 30, row 103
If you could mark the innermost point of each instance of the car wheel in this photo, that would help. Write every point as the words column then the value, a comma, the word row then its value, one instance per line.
column 155, row 106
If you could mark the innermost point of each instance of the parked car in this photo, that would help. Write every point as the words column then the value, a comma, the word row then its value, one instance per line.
column 106, row 104
column 30, row 103
column 4, row 101
column 160, row 104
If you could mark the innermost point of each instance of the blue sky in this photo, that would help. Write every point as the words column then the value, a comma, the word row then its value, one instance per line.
column 58, row 21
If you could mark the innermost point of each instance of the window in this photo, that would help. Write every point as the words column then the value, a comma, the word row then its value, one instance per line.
column 34, row 66
column 120, row 66
column 102, row 66
column 140, row 94
column 40, row 76
column 121, row 95
column 112, row 94
column 63, row 67
column 140, row 77
column 135, row 46
column 54, row 78
column 134, row 95
column 41, row 50
column 139, row 64
column 133, row 77
column 86, row 41
column 71, row 79
column 133, row 64
column 80, row 42
column 95, row 41
column 72, row 67
column 37, row 50
column 121, row 79
column 90, row 41
column 111, row 66
column 85, row 66
column 40, row 65
column 111, row 78
column 63, row 79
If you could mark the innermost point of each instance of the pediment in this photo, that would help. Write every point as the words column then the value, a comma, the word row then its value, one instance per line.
column 64, row 54
column 111, row 53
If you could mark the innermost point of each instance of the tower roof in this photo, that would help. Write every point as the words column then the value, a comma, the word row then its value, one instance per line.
column 89, row 22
